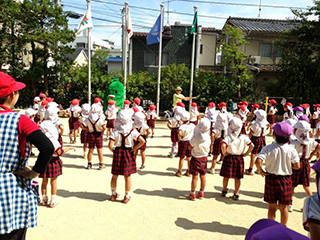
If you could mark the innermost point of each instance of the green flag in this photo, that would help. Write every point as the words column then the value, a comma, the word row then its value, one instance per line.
column 194, row 27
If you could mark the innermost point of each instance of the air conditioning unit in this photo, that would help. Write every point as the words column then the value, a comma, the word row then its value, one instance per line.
column 254, row 60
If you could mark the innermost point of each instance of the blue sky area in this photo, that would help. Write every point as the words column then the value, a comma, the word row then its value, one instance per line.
column 212, row 13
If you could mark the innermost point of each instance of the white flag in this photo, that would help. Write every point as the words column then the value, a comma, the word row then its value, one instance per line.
column 129, row 26
column 86, row 21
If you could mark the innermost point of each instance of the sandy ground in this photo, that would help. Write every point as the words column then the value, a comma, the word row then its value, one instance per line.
column 159, row 208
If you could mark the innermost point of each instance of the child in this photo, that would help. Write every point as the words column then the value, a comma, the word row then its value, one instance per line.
column 257, row 137
column 124, row 162
column 218, row 134
column 185, row 133
column 315, row 117
column 144, row 130
column 111, row 114
column 287, row 107
column 280, row 158
column 271, row 117
column 151, row 118
column 174, row 124
column 54, row 168
column 52, row 114
column 297, row 112
column 136, row 103
column 305, row 147
column 311, row 209
column 233, row 149
column 84, row 135
column 212, row 116
column 200, row 143
column 95, row 126
column 194, row 113
column 242, row 115
column 42, row 110
column 74, row 114
column 253, row 108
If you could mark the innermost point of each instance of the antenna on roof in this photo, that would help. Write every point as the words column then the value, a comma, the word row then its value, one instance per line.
column 259, row 9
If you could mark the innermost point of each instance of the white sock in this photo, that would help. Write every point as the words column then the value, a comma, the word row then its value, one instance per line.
column 193, row 192
column 128, row 194
column 53, row 198
column 113, row 191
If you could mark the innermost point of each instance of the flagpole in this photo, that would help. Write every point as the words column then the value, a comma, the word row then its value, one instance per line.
column 160, row 58
column 89, row 60
column 192, row 60
column 125, row 50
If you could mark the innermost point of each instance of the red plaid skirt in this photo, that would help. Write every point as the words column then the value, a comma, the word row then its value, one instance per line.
column 144, row 146
column 183, row 149
column 232, row 166
column 216, row 148
column 301, row 176
column 198, row 166
column 95, row 139
column 54, row 168
column 259, row 143
column 314, row 123
column 73, row 123
column 278, row 188
column 124, row 162
column 174, row 135
column 271, row 119
column 195, row 122
column 151, row 123
column 84, row 137
column 110, row 123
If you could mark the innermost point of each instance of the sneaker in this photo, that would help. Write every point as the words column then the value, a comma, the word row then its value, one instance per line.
column 126, row 199
column 52, row 204
column 290, row 208
column 44, row 202
column 224, row 193
column 200, row 195
column 114, row 197
column 211, row 171
column 170, row 155
column 192, row 196
column 187, row 174
column 101, row 166
column 314, row 161
column 152, row 136
column 248, row 173
column 256, row 172
column 178, row 174
column 220, row 161
column 235, row 197
column 89, row 166
column 142, row 166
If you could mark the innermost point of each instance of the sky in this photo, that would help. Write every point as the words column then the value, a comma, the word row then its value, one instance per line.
column 107, row 16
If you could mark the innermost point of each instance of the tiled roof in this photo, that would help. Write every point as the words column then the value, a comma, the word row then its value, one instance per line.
column 208, row 29
column 261, row 25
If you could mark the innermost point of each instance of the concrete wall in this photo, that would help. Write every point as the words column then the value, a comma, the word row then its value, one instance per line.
column 208, row 55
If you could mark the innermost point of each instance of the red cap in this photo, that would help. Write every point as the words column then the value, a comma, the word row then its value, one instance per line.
column 137, row 101
column 316, row 105
column 111, row 102
column 97, row 100
column 244, row 103
column 193, row 104
column 305, row 105
column 152, row 107
column 243, row 108
column 9, row 85
column 42, row 95
column 75, row 101
column 49, row 99
column 288, row 104
column 273, row 101
column 256, row 105
column 127, row 102
column 182, row 105
column 211, row 104
column 135, row 109
column 179, row 104
column 44, row 103
column 222, row 104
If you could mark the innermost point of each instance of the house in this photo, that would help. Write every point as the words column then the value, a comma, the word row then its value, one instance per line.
column 115, row 60
column 262, row 51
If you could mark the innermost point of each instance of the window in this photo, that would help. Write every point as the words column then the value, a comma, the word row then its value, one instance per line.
column 81, row 45
column 266, row 50
column 201, row 48
column 152, row 59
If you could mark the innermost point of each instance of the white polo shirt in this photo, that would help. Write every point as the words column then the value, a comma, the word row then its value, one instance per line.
column 187, row 131
column 256, row 130
column 174, row 123
column 312, row 145
column 238, row 145
column 200, row 148
column 129, row 141
column 98, row 125
column 279, row 158
column 143, row 130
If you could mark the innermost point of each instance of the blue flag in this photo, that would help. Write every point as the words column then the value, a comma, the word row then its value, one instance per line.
column 154, row 34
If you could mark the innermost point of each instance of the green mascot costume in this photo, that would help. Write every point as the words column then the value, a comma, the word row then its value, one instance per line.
column 114, row 92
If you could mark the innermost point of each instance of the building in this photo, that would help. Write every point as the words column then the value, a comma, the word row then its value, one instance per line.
column 115, row 60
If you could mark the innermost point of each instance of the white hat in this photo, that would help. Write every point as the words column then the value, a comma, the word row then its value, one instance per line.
column 48, row 128
column 85, row 109
column 51, row 114
column 302, row 132
column 36, row 99
column 139, row 118
column 185, row 116
column 235, row 125
column 53, row 104
column 124, row 121
column 261, row 118
column 30, row 112
column 95, row 111
column 202, row 130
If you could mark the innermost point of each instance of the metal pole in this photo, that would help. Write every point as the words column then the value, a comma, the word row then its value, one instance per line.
column 160, row 58
column 192, row 60
column 124, row 49
column 89, row 60
column 123, row 34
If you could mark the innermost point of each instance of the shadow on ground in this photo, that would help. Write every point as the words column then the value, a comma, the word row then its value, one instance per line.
column 100, row 197
column 211, row 227
column 244, row 192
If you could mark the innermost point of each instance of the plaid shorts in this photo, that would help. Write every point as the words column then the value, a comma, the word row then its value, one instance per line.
column 232, row 166
column 183, row 149
column 95, row 139
column 301, row 176
column 84, row 136
column 54, row 168
column 174, row 135
column 243, row 129
column 144, row 146
column 278, row 188
column 259, row 143
column 124, row 162
column 314, row 123
column 73, row 123
column 271, row 119
column 110, row 123
column 150, row 123
column 216, row 149
column 198, row 166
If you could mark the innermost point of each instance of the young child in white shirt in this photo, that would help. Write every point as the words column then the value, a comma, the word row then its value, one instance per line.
column 111, row 114
column 194, row 113
column 151, row 118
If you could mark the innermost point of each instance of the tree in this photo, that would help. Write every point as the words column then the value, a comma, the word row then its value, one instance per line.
column 234, row 58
